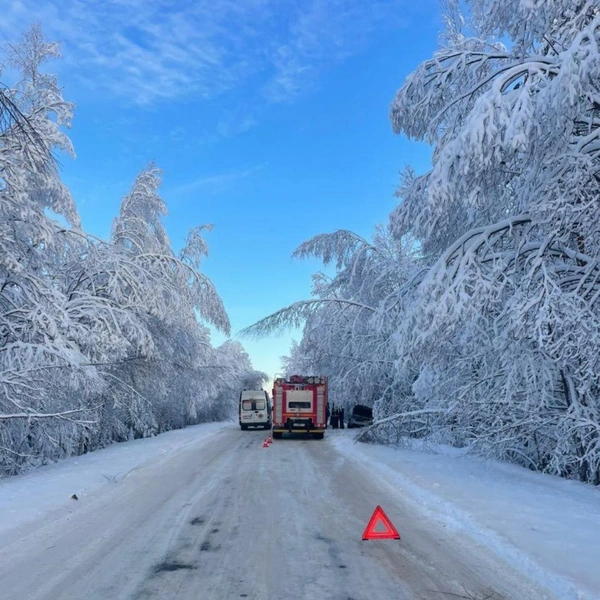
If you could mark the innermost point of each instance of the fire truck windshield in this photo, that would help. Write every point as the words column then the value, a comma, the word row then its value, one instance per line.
column 299, row 405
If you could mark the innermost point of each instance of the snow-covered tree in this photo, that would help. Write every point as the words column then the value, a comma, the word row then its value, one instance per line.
column 168, row 294
column 34, row 342
column 234, row 374
column 100, row 341
column 505, row 332
column 349, row 325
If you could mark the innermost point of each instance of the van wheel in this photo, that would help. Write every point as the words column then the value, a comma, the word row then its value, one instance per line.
column 277, row 435
column 243, row 427
column 319, row 436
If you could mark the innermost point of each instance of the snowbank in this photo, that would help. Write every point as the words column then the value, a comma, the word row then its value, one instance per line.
column 545, row 526
column 26, row 497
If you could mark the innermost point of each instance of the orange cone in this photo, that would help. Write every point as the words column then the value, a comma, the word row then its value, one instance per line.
column 265, row 444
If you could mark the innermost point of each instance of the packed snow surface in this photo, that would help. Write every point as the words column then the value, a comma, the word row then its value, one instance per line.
column 207, row 512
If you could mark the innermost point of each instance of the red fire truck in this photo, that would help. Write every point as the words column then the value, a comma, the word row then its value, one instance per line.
column 299, row 405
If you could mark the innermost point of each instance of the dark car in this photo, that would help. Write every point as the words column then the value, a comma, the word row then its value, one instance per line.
column 361, row 416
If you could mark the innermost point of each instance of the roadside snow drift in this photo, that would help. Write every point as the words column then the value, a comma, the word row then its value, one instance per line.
column 547, row 527
column 26, row 497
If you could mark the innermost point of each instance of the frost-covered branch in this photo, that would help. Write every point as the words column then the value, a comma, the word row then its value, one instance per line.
column 295, row 315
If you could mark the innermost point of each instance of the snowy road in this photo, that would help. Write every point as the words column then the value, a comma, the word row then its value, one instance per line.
column 224, row 518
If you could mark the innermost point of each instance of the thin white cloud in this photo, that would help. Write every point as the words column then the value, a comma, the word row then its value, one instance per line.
column 235, row 122
column 230, row 123
column 147, row 51
column 213, row 184
column 324, row 33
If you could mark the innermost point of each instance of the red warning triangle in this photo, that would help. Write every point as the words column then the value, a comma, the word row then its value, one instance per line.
column 378, row 517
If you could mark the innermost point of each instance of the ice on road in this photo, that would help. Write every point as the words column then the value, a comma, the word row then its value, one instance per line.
column 225, row 518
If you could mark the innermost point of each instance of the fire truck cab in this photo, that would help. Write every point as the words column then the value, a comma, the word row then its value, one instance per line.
column 299, row 405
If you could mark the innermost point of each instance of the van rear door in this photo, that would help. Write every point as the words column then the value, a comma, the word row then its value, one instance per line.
column 254, row 409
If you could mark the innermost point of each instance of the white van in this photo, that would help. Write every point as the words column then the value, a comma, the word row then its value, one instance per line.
column 255, row 409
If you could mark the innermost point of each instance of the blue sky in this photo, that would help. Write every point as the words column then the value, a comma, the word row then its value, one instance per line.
column 268, row 117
